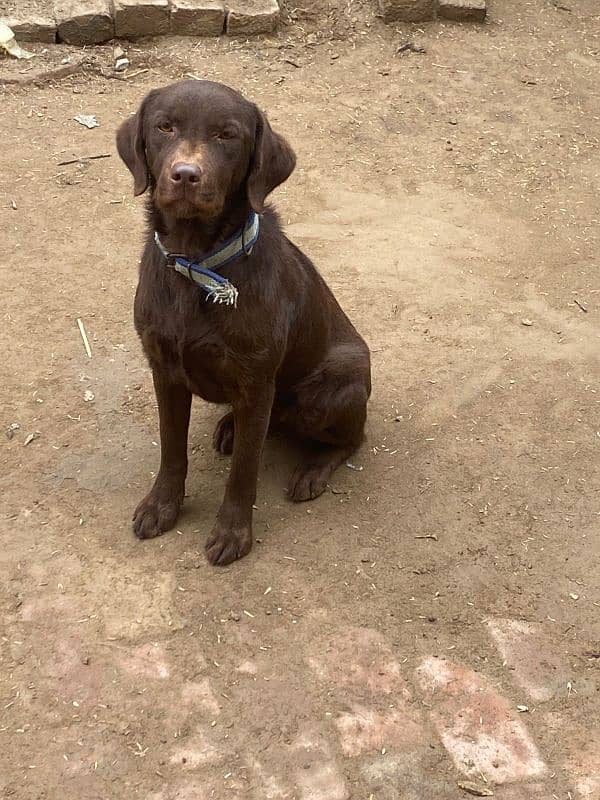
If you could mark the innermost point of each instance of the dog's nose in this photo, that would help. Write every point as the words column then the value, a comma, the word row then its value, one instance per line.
column 187, row 173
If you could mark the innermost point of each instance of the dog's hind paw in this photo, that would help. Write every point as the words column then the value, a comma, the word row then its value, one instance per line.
column 223, row 435
column 308, row 482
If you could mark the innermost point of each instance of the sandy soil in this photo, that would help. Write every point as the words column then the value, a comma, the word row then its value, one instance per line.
column 451, row 200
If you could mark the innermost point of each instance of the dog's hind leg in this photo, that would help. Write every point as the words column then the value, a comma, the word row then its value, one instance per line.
column 330, row 416
column 223, row 435
column 311, row 477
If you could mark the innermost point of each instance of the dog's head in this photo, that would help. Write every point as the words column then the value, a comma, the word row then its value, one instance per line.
column 197, row 144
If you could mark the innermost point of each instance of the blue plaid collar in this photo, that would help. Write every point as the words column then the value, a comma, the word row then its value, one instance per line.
column 202, row 271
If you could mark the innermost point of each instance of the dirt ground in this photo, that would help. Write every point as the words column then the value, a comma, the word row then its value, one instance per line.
column 450, row 198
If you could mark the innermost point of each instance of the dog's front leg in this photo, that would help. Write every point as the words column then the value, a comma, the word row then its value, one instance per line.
column 231, row 537
column 159, row 509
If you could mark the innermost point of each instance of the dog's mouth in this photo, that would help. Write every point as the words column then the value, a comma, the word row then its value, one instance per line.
column 188, row 201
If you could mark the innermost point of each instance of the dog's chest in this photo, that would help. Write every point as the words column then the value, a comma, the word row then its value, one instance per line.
column 195, row 356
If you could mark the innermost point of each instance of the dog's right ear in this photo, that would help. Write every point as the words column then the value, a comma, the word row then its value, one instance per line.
column 131, row 148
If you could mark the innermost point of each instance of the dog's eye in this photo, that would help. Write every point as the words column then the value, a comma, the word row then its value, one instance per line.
column 225, row 134
column 165, row 127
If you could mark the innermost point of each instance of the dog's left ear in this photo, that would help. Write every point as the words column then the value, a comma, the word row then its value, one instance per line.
column 131, row 148
column 272, row 163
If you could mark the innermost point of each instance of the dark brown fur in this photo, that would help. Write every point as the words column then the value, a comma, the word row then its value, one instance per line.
column 288, row 355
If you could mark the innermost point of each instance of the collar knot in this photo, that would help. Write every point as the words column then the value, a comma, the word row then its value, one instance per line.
column 202, row 271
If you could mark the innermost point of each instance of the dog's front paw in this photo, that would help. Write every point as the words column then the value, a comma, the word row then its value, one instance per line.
column 227, row 543
column 156, row 514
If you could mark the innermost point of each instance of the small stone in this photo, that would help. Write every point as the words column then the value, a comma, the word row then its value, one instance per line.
column 197, row 17
column 82, row 22
column 462, row 10
column 135, row 18
column 407, row 10
column 527, row 322
column 573, row 596
column 12, row 428
column 87, row 120
column 250, row 17
column 88, row 396
column 34, row 28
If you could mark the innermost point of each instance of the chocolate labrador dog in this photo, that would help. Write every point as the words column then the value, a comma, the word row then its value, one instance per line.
column 229, row 309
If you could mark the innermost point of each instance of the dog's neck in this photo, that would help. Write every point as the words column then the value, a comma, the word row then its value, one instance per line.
column 195, row 236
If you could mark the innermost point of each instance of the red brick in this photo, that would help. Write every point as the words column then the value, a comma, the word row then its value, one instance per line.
column 410, row 775
column 359, row 659
column 364, row 730
column 478, row 727
column 532, row 657
column 272, row 787
column 320, row 778
column 580, row 748
column 322, row 781
column 146, row 661
column 199, row 694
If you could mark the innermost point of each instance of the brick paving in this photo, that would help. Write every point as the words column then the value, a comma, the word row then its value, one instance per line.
column 444, row 727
